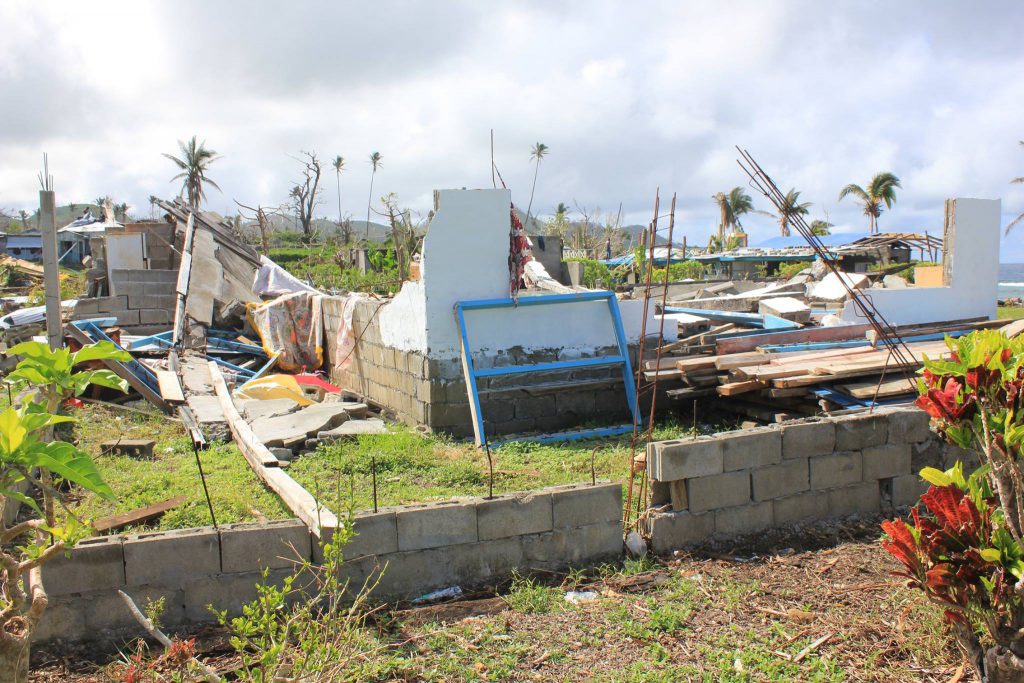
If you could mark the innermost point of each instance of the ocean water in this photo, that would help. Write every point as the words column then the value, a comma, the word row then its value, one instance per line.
column 1011, row 280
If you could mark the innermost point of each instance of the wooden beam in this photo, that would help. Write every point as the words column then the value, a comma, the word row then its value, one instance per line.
column 138, row 515
column 266, row 466
column 170, row 386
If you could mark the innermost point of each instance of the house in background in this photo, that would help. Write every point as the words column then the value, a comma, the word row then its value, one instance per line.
column 25, row 245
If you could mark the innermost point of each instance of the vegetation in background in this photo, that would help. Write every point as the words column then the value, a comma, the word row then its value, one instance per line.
column 881, row 189
column 684, row 270
column 376, row 162
column 821, row 228
column 788, row 270
column 596, row 274
column 791, row 208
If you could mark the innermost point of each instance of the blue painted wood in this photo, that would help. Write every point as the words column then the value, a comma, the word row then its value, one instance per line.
column 622, row 359
column 767, row 322
column 138, row 369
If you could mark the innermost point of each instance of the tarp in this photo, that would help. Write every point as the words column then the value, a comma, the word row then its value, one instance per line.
column 273, row 280
column 291, row 327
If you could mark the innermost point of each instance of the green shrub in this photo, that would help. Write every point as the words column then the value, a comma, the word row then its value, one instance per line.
column 788, row 270
column 596, row 274
column 684, row 270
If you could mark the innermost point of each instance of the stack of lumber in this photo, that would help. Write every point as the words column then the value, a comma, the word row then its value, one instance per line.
column 801, row 372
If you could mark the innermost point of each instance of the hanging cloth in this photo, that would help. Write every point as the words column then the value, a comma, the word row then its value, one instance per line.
column 518, row 255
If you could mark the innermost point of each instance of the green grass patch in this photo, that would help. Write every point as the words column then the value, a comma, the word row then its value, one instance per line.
column 1010, row 312
column 236, row 492
column 413, row 468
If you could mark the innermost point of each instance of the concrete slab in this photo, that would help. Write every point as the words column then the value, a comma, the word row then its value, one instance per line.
column 297, row 426
column 255, row 409
column 374, row 425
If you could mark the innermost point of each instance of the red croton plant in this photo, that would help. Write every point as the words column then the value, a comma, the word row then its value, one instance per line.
column 963, row 544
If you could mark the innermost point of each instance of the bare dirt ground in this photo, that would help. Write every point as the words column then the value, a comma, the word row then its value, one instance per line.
column 820, row 605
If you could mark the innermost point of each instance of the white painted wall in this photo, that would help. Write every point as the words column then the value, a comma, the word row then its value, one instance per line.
column 974, row 255
column 465, row 256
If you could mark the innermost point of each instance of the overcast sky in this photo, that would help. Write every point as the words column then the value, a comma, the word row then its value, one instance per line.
column 627, row 99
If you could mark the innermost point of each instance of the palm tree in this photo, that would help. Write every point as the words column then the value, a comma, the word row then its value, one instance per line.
column 791, row 208
column 882, row 188
column 539, row 151
column 731, row 206
column 820, row 227
column 122, row 208
column 194, row 162
column 1019, row 218
column 339, row 165
column 376, row 160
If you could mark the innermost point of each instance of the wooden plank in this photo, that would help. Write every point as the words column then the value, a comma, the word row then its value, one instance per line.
column 737, row 360
column 693, row 364
column 170, row 386
column 807, row 334
column 123, row 372
column 1014, row 328
column 184, row 274
column 266, row 466
column 890, row 388
column 735, row 388
column 138, row 515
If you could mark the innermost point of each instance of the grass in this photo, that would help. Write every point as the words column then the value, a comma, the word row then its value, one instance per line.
column 413, row 468
column 1010, row 312
column 410, row 467
column 236, row 493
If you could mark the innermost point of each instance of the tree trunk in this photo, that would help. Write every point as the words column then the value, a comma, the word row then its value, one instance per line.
column 1002, row 666
column 14, row 651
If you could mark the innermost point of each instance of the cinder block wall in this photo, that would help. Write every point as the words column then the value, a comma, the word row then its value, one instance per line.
column 432, row 392
column 426, row 547
column 742, row 482
column 142, row 298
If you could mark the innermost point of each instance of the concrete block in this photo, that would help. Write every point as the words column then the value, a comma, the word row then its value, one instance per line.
column 907, row 489
column 909, row 425
column 685, row 458
column 928, row 453
column 860, row 431
column 514, row 515
column 229, row 592
column 154, row 317
column 807, row 439
column 274, row 545
column 105, row 304
column 64, row 619
column 812, row 505
column 583, row 505
column 718, row 491
column 434, row 526
column 95, row 564
column 677, row 494
column 746, row 450
column 105, row 612
column 836, row 469
column 583, row 546
column 674, row 530
column 746, row 519
column 859, row 498
column 168, row 558
column 775, row 481
column 125, row 317
column 151, row 301
column 889, row 460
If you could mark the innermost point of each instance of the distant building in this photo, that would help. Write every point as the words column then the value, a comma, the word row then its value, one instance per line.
column 26, row 245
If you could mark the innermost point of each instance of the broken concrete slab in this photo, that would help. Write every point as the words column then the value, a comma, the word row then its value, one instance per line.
column 373, row 425
column 293, row 429
column 831, row 288
column 355, row 409
column 260, row 409
column 785, row 307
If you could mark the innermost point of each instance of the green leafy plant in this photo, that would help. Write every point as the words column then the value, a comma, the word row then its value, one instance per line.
column 963, row 546
column 45, row 378
column 788, row 270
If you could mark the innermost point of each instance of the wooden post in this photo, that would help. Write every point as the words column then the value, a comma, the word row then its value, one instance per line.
column 51, row 271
